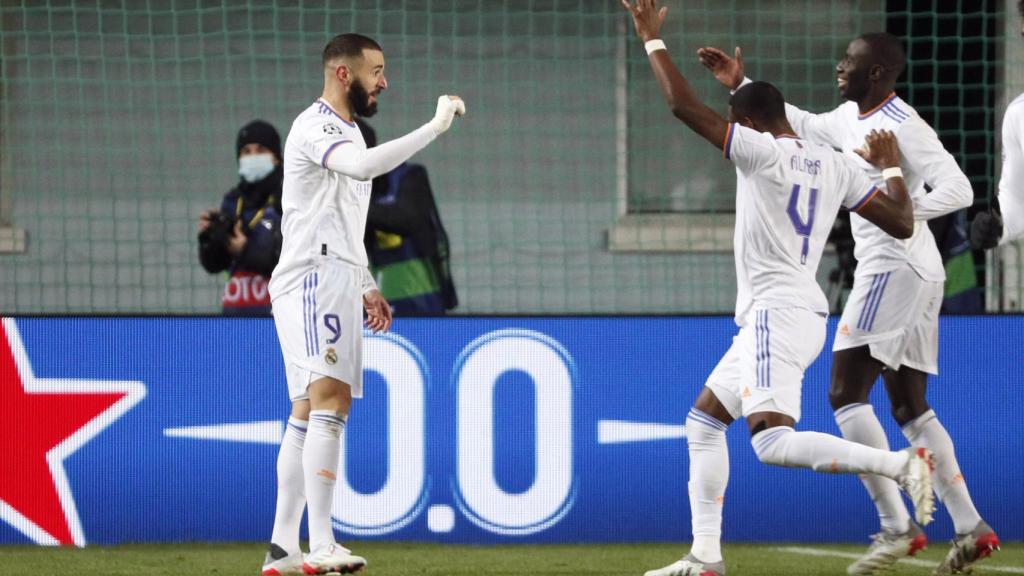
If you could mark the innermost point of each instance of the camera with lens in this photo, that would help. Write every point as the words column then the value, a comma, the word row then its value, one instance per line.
column 213, row 242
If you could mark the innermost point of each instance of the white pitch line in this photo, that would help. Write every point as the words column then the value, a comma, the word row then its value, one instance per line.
column 622, row 431
column 910, row 561
column 264, row 432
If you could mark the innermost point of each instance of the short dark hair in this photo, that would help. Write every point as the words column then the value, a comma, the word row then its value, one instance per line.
column 886, row 50
column 759, row 101
column 349, row 45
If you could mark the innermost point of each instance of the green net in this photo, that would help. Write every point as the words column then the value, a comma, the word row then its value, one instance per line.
column 791, row 44
column 568, row 188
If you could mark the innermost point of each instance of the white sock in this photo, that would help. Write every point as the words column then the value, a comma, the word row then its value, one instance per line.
column 783, row 446
column 320, row 466
column 709, row 475
column 926, row 431
column 859, row 424
column 291, row 492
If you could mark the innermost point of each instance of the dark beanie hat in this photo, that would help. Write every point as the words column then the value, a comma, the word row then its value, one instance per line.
column 260, row 132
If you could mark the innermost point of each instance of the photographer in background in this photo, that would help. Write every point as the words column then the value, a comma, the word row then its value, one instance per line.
column 244, row 236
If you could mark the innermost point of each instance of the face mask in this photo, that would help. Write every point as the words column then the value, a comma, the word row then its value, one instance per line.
column 255, row 167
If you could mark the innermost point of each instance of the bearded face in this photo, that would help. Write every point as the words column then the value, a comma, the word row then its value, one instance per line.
column 359, row 98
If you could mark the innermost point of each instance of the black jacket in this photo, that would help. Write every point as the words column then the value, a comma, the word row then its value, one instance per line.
column 258, row 205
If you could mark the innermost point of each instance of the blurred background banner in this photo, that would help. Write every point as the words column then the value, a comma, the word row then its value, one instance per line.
column 568, row 188
column 485, row 430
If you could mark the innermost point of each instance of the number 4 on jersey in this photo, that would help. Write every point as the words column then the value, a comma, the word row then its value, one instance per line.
column 802, row 228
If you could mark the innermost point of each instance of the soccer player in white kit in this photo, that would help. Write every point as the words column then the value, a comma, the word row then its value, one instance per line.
column 889, row 326
column 991, row 229
column 320, row 286
column 788, row 194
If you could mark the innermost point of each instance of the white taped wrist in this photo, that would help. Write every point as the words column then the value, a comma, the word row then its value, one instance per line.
column 894, row 172
column 654, row 45
column 446, row 111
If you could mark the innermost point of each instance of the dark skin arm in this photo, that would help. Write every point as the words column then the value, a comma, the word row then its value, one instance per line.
column 892, row 212
column 647, row 18
column 728, row 71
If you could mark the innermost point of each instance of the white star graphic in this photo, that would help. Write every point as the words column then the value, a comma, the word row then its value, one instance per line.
column 133, row 392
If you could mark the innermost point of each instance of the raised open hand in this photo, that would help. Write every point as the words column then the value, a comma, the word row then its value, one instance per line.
column 647, row 17
column 728, row 71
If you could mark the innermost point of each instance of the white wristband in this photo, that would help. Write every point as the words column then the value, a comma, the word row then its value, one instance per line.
column 894, row 172
column 743, row 83
column 654, row 45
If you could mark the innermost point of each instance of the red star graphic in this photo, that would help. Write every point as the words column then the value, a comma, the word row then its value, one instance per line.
column 45, row 421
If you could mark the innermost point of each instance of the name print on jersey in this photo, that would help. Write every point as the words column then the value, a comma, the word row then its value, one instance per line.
column 806, row 165
column 361, row 189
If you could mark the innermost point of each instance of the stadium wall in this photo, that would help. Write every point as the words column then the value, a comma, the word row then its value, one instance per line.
column 473, row 430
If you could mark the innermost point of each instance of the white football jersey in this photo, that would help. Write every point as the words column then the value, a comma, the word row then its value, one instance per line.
column 924, row 162
column 1011, row 182
column 788, row 193
column 324, row 211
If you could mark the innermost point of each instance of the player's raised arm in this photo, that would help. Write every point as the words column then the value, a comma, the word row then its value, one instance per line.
column 368, row 164
column 892, row 212
column 647, row 18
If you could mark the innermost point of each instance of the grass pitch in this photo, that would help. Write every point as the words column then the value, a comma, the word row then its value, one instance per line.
column 394, row 559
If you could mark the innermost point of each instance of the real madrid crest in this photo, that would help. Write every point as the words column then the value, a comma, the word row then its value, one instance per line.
column 331, row 357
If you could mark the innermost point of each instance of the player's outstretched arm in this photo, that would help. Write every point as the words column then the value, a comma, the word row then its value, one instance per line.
column 647, row 18
column 368, row 164
column 892, row 212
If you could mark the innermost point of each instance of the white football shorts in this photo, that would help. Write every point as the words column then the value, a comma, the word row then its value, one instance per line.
column 895, row 314
column 319, row 326
column 763, row 370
